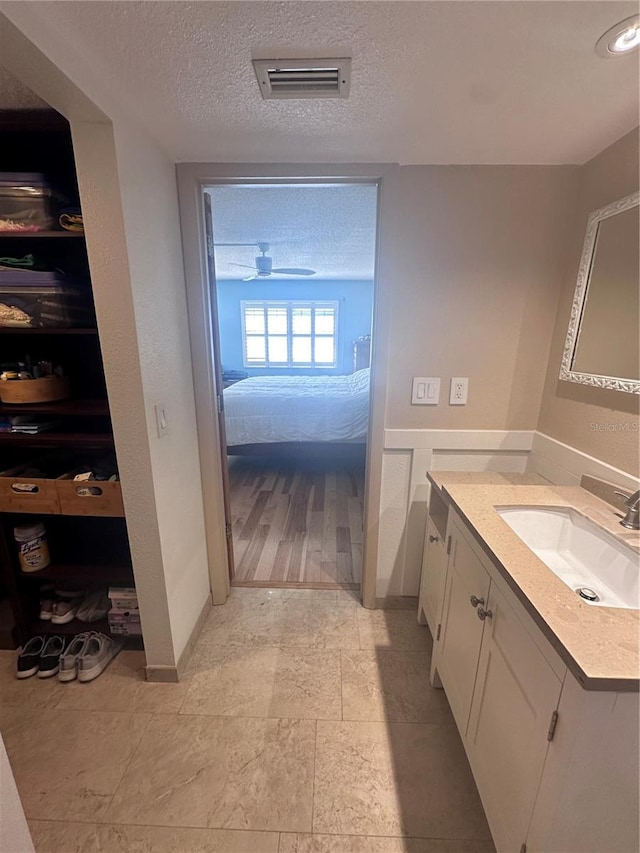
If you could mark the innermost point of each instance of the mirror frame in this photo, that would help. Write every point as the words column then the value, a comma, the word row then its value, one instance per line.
column 613, row 383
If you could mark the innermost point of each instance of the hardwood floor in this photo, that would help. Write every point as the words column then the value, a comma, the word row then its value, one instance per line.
column 297, row 522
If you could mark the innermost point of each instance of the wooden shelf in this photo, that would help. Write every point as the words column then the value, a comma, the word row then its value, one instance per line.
column 57, row 439
column 68, row 408
column 16, row 330
column 39, row 235
column 43, row 626
column 82, row 573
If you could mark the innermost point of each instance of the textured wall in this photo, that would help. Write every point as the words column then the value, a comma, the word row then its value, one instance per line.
column 354, row 316
column 599, row 422
column 478, row 263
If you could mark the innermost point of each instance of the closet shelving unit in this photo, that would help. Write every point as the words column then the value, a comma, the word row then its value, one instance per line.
column 92, row 547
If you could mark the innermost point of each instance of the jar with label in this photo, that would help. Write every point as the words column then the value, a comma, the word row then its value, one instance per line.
column 33, row 548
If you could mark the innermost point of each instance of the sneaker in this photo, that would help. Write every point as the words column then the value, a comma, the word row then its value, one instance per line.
column 28, row 661
column 99, row 651
column 64, row 611
column 69, row 659
column 50, row 657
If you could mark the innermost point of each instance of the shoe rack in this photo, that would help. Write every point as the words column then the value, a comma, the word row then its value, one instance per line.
column 88, row 539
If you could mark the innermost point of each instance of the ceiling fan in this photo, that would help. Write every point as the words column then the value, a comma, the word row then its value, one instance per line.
column 264, row 264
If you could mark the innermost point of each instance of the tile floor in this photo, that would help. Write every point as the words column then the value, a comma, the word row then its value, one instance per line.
column 305, row 724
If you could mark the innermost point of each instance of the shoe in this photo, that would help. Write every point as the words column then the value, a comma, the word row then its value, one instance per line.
column 64, row 611
column 69, row 659
column 50, row 657
column 46, row 609
column 28, row 661
column 99, row 651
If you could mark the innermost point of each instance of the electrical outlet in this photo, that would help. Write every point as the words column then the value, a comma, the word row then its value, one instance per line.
column 459, row 389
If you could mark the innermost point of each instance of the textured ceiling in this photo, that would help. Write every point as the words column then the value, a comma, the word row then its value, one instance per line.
column 14, row 95
column 328, row 229
column 432, row 82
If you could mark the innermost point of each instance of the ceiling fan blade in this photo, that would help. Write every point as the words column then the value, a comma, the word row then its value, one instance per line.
column 250, row 278
column 246, row 266
column 293, row 271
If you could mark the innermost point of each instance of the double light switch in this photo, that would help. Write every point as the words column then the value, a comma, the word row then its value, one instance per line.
column 426, row 391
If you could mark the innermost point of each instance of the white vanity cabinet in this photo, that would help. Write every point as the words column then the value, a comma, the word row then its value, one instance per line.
column 555, row 764
column 434, row 571
column 460, row 631
column 515, row 697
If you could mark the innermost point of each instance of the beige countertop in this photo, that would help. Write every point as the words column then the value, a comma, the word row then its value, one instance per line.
column 483, row 478
column 600, row 645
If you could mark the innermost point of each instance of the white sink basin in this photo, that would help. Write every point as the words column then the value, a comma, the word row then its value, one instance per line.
column 580, row 553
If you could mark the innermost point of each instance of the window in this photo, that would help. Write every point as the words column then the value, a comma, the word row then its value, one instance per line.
column 289, row 334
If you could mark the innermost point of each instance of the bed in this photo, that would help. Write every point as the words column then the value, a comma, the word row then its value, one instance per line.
column 271, row 411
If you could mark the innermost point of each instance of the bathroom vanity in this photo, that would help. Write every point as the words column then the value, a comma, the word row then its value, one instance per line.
column 542, row 683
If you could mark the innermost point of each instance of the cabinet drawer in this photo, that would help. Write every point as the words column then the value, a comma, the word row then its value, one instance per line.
column 27, row 494
column 91, row 497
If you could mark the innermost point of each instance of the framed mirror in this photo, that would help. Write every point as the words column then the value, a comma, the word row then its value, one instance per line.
column 602, row 348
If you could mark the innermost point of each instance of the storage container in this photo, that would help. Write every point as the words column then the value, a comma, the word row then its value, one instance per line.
column 30, row 299
column 20, row 492
column 33, row 549
column 89, row 497
column 28, row 202
column 44, row 390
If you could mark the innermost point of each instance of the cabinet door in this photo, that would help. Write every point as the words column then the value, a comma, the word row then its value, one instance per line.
column 458, row 649
column 515, row 696
column 434, row 570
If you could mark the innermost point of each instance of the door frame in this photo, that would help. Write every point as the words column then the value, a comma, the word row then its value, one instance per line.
column 192, row 179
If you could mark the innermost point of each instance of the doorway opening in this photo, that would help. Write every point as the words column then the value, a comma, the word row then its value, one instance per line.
column 292, row 269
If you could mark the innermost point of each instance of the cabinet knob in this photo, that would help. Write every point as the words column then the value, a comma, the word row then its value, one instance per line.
column 475, row 601
column 433, row 538
column 484, row 614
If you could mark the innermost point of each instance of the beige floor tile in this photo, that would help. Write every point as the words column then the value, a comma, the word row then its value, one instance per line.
column 26, row 692
column 220, row 772
column 52, row 836
column 391, row 629
column 390, row 685
column 323, row 625
column 60, row 837
column 301, row 843
column 122, row 687
column 69, row 762
column 265, row 681
column 395, row 779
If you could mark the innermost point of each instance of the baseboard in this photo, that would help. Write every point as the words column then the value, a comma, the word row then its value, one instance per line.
column 173, row 674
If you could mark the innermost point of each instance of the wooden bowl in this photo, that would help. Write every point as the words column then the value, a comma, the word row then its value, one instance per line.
column 45, row 390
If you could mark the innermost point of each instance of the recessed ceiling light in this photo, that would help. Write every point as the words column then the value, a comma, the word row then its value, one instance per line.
column 620, row 39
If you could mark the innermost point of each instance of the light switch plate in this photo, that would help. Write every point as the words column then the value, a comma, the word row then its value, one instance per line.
column 425, row 391
column 162, row 424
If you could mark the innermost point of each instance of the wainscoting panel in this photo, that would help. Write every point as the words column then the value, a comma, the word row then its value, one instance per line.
column 408, row 456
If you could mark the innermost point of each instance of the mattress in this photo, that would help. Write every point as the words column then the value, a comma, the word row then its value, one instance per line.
column 271, row 409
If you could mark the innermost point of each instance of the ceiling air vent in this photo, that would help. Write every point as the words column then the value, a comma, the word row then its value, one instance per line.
column 303, row 78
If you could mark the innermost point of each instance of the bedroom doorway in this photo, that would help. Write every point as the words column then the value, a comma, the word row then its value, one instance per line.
column 292, row 279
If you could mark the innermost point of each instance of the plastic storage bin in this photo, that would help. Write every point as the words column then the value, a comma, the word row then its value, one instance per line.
column 28, row 202
column 31, row 299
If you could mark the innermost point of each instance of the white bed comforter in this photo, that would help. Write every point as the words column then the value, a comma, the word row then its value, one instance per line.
column 269, row 409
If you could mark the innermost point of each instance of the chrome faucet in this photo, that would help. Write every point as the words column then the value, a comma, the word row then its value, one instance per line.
column 632, row 502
